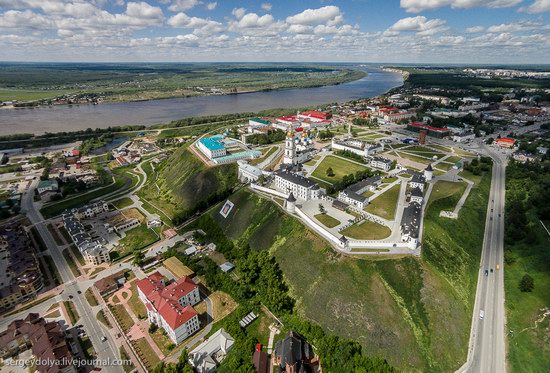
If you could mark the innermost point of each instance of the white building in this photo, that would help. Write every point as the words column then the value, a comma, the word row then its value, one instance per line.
column 92, row 250
column 126, row 225
column 212, row 147
column 397, row 117
column 410, row 224
column 206, row 356
column 417, row 195
column 248, row 173
column 302, row 187
column 170, row 307
column 380, row 163
column 464, row 137
column 357, row 146
column 417, row 181
column 428, row 172
column 351, row 198
column 91, row 210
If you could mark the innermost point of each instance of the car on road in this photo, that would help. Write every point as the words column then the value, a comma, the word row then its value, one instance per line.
column 103, row 339
column 486, row 273
column 71, row 297
column 481, row 314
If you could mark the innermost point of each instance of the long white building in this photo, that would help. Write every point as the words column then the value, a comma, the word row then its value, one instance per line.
column 302, row 187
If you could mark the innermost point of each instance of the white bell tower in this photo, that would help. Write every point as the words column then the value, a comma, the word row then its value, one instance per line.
column 290, row 148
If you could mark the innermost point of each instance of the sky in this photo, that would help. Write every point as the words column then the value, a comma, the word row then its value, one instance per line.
column 386, row 31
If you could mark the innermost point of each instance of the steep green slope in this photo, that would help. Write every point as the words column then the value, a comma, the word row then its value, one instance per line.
column 182, row 184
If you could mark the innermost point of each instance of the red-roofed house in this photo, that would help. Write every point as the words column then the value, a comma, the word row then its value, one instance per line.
column 505, row 142
column 170, row 307
column 314, row 115
column 76, row 153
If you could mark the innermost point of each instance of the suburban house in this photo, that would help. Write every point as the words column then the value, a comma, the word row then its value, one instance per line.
column 210, row 353
column 170, row 306
column 111, row 283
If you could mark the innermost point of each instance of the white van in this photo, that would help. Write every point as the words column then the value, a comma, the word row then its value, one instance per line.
column 481, row 314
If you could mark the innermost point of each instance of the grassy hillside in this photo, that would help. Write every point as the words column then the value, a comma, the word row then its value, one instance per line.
column 182, row 183
column 413, row 312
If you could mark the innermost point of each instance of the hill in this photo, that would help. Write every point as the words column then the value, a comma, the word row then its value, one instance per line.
column 182, row 184
column 413, row 312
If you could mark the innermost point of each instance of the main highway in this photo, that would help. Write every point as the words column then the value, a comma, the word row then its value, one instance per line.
column 106, row 350
column 487, row 346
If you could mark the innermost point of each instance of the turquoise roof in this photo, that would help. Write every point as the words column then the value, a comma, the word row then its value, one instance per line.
column 262, row 121
column 212, row 143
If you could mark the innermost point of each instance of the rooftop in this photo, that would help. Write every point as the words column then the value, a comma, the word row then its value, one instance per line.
column 212, row 143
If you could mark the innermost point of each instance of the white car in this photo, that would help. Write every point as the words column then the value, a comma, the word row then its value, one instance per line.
column 481, row 314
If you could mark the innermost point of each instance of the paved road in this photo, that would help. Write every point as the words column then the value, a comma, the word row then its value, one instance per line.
column 104, row 350
column 487, row 349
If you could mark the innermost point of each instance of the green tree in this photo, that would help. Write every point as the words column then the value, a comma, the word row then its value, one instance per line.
column 527, row 284
column 330, row 172
column 322, row 209
column 138, row 257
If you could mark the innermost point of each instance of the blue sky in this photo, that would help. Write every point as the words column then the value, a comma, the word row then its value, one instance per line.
column 405, row 31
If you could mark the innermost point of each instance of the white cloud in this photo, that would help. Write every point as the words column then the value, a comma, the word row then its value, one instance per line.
column 252, row 20
column 327, row 14
column 267, row 6
column 15, row 19
column 143, row 10
column 239, row 12
column 200, row 25
column 475, row 29
column 183, row 5
column 416, row 6
column 419, row 24
column 300, row 29
column 212, row 6
column 538, row 6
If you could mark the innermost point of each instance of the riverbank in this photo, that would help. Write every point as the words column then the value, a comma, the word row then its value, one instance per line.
column 146, row 113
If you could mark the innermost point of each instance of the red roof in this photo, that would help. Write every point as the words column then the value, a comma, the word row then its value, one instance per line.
column 288, row 118
column 506, row 139
column 425, row 126
column 164, row 299
column 316, row 114
column 299, row 129
column 76, row 152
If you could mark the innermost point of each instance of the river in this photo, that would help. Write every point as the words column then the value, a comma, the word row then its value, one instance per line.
column 77, row 117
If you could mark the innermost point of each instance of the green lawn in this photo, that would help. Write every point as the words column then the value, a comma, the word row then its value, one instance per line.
column 442, row 148
column 136, row 238
column 136, row 305
column 55, row 235
column 123, row 202
column 103, row 319
column 444, row 166
column 340, row 167
column 77, row 254
column 90, row 297
column 72, row 264
column 415, row 158
column 327, row 220
column 265, row 154
column 71, row 311
column 453, row 159
column 385, row 204
column 121, row 315
column 146, row 353
column 446, row 189
column 367, row 230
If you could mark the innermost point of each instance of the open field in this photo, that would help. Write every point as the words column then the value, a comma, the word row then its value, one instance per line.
column 136, row 238
column 327, row 220
column 123, row 82
column 136, row 305
column 146, row 353
column 367, row 230
column 339, row 166
column 123, row 202
column 414, row 158
column 385, row 204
